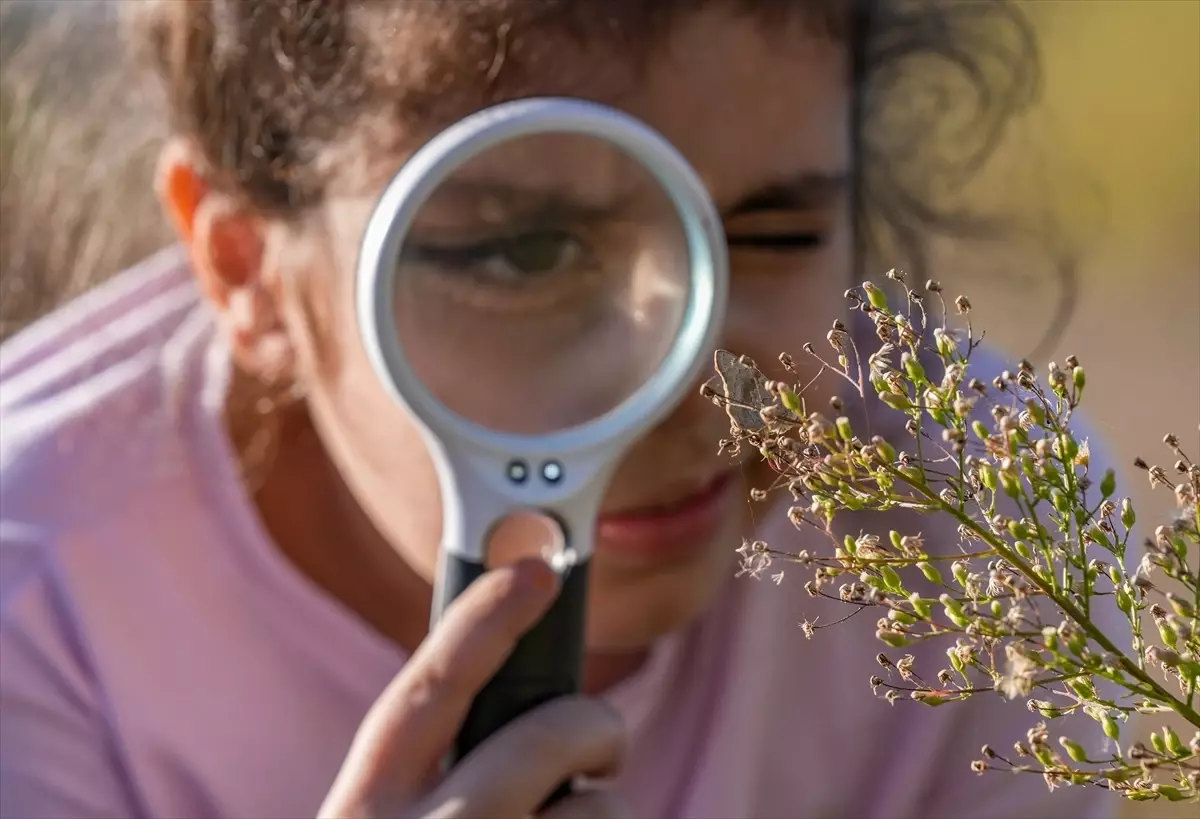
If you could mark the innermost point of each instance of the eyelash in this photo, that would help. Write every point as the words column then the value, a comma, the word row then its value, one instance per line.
column 781, row 243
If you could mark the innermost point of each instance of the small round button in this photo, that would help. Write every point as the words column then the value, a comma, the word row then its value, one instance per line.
column 518, row 471
column 552, row 471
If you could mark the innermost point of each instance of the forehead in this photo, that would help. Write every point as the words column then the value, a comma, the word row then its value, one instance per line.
column 746, row 105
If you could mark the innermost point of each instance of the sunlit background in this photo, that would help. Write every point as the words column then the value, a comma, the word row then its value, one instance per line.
column 1121, row 109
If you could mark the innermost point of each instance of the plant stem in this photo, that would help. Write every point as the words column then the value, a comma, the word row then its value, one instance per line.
column 1129, row 666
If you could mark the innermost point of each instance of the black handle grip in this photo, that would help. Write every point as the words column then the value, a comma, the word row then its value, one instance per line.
column 546, row 663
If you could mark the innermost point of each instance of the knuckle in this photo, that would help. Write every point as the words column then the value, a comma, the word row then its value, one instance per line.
column 574, row 731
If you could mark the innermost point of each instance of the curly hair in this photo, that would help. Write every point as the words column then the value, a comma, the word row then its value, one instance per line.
column 268, row 91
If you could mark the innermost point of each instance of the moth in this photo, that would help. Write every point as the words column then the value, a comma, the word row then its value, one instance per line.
column 741, row 388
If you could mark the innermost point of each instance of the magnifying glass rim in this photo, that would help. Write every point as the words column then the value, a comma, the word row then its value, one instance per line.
column 408, row 192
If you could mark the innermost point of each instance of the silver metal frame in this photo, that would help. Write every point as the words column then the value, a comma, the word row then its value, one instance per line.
column 472, row 460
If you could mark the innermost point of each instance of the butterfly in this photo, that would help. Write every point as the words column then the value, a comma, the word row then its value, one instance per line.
column 741, row 388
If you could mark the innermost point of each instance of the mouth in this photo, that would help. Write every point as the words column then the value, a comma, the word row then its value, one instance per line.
column 668, row 530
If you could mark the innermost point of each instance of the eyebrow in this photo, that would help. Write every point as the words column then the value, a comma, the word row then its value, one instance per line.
column 809, row 190
column 806, row 191
column 533, row 202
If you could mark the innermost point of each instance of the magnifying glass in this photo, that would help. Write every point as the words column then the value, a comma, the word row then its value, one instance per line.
column 537, row 287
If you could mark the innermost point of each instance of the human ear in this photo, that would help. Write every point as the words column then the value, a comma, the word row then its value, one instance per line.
column 227, row 242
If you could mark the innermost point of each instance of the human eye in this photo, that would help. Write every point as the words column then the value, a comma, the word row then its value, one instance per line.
column 512, row 260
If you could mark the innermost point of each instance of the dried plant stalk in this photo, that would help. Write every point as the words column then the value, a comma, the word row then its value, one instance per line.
column 1042, row 542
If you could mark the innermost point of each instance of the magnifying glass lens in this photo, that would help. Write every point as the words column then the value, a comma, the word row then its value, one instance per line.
column 542, row 283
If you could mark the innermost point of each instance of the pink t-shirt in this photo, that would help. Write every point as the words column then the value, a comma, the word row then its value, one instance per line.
column 161, row 659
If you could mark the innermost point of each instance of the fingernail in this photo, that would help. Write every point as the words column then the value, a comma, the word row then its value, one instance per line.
column 535, row 575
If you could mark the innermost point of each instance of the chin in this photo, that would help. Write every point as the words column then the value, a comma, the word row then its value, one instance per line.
column 631, row 607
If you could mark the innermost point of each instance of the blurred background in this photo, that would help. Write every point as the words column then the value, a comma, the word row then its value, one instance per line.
column 1114, row 146
column 1121, row 112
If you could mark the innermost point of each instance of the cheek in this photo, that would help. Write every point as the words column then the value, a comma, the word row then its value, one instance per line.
column 378, row 450
column 773, row 312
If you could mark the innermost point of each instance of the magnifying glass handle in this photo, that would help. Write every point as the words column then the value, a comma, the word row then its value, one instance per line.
column 546, row 663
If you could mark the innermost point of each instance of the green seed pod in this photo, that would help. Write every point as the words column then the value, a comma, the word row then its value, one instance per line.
column 1080, row 379
column 1168, row 792
column 1036, row 411
column 891, row 580
column 896, row 401
column 892, row 638
column 896, row 539
column 844, row 430
column 1012, row 487
column 931, row 697
column 1044, row 755
column 1073, row 749
column 1156, row 741
column 902, row 617
column 921, row 607
column 959, row 569
column 886, row 450
column 1124, row 601
column 1083, row 687
column 1167, row 633
column 1108, row 484
column 1111, row 729
column 1050, row 638
column 1182, row 607
column 913, row 367
column 1128, row 518
column 1173, row 743
column 1070, row 447
column 1023, row 549
column 955, row 662
column 1019, row 529
column 1114, row 574
column 875, row 296
column 987, row 476
column 850, row 545
column 997, row 609
column 930, row 571
column 979, row 429
column 1061, row 502
column 790, row 400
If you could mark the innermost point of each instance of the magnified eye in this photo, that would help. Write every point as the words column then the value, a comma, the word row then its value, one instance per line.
column 507, row 259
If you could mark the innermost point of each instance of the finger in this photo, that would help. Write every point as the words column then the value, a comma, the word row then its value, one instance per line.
column 598, row 804
column 415, row 719
column 514, row 772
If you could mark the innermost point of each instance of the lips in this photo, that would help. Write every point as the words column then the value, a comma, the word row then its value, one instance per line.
column 668, row 530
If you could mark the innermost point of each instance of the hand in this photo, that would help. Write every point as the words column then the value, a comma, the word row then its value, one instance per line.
column 392, row 767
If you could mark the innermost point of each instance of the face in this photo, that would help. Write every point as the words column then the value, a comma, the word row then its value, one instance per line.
column 765, row 122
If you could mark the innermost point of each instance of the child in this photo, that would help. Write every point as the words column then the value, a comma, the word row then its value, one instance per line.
column 219, row 532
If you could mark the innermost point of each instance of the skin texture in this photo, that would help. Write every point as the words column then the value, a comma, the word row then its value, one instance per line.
column 285, row 297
